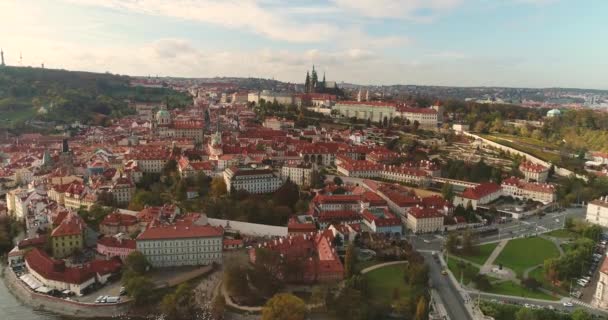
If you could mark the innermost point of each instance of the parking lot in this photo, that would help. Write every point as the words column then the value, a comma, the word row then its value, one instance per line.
column 583, row 288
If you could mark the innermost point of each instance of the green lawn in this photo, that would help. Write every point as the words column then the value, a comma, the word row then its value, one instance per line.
column 562, row 233
column 382, row 282
column 529, row 146
column 360, row 265
column 466, row 272
column 521, row 254
column 483, row 252
column 510, row 288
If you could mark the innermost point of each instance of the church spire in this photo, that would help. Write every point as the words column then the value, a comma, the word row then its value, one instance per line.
column 307, row 83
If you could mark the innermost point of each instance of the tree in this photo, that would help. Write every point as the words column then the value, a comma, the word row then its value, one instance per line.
column 170, row 168
column 451, row 242
column 319, row 295
column 482, row 282
column 447, row 191
column 338, row 181
column 301, row 206
column 349, row 261
column 531, row 283
column 284, row 306
column 139, row 288
column 136, row 263
column 480, row 127
column 525, row 314
column 179, row 305
column 218, row 307
column 581, row 314
column 218, row 187
column 287, row 195
column 235, row 279
column 421, row 309
column 468, row 245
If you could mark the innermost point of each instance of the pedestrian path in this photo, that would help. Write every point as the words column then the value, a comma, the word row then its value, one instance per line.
column 581, row 303
column 382, row 265
column 487, row 266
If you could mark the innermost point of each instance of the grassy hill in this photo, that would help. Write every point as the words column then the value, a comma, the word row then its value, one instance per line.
column 71, row 95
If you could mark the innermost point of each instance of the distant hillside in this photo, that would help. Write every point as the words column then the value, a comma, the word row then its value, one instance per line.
column 65, row 96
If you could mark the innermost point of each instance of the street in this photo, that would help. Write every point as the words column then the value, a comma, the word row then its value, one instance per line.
column 452, row 299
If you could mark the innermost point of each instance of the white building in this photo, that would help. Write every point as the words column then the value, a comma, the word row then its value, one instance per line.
column 426, row 117
column 534, row 172
column 181, row 244
column 600, row 298
column 423, row 220
column 252, row 180
column 374, row 111
column 520, row 189
column 300, row 174
column 483, row 193
column 597, row 212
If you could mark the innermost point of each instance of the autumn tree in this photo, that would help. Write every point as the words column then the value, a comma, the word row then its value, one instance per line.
column 421, row 309
column 218, row 187
column 447, row 191
column 284, row 306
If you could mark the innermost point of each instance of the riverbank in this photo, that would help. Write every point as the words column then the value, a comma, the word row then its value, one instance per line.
column 61, row 306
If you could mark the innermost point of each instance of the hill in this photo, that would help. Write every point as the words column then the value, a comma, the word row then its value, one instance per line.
column 64, row 96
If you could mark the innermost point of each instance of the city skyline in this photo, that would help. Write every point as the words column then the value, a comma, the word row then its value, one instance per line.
column 512, row 43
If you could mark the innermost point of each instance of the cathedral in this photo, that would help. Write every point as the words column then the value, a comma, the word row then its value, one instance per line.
column 312, row 84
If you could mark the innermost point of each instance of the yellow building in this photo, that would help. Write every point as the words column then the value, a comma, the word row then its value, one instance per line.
column 68, row 236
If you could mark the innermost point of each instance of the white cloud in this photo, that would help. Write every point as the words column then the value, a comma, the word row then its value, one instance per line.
column 247, row 15
column 417, row 10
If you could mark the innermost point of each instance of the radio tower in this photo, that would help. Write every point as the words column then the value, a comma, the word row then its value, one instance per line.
column 2, row 57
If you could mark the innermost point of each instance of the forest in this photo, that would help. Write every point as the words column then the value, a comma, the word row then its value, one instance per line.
column 65, row 96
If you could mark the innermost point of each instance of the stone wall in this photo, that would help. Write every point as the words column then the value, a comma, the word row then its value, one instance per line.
column 61, row 306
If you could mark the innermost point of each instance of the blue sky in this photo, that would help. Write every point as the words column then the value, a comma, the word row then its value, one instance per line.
column 517, row 43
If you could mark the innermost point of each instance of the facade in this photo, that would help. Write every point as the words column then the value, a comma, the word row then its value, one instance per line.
column 380, row 220
column 110, row 247
column 115, row 223
column 315, row 252
column 600, row 299
column 374, row 111
column 164, row 126
column 68, row 236
column 427, row 118
column 252, row 180
column 54, row 274
column 483, row 193
column 423, row 220
column 520, row 189
column 534, row 172
column 122, row 189
column 182, row 244
column 597, row 212
column 300, row 174
column 149, row 160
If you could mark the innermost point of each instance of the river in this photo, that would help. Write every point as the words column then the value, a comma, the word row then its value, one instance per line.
column 13, row 309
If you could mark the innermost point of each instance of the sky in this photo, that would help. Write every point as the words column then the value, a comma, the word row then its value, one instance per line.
column 514, row 43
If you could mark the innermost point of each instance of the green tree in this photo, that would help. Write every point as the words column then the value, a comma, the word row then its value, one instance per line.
column 581, row 314
column 447, row 191
column 284, row 306
column 140, row 289
column 287, row 195
column 179, row 305
column 451, row 242
column 350, row 259
column 338, row 181
column 525, row 314
column 136, row 263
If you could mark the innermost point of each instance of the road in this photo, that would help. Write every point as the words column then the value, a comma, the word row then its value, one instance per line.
column 452, row 300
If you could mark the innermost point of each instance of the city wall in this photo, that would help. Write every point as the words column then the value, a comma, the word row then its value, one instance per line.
column 559, row 171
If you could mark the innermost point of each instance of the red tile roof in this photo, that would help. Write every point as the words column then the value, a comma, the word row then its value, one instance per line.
column 481, row 190
column 119, row 219
column 179, row 231
column 56, row 270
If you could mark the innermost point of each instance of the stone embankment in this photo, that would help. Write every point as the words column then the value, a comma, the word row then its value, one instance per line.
column 61, row 306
